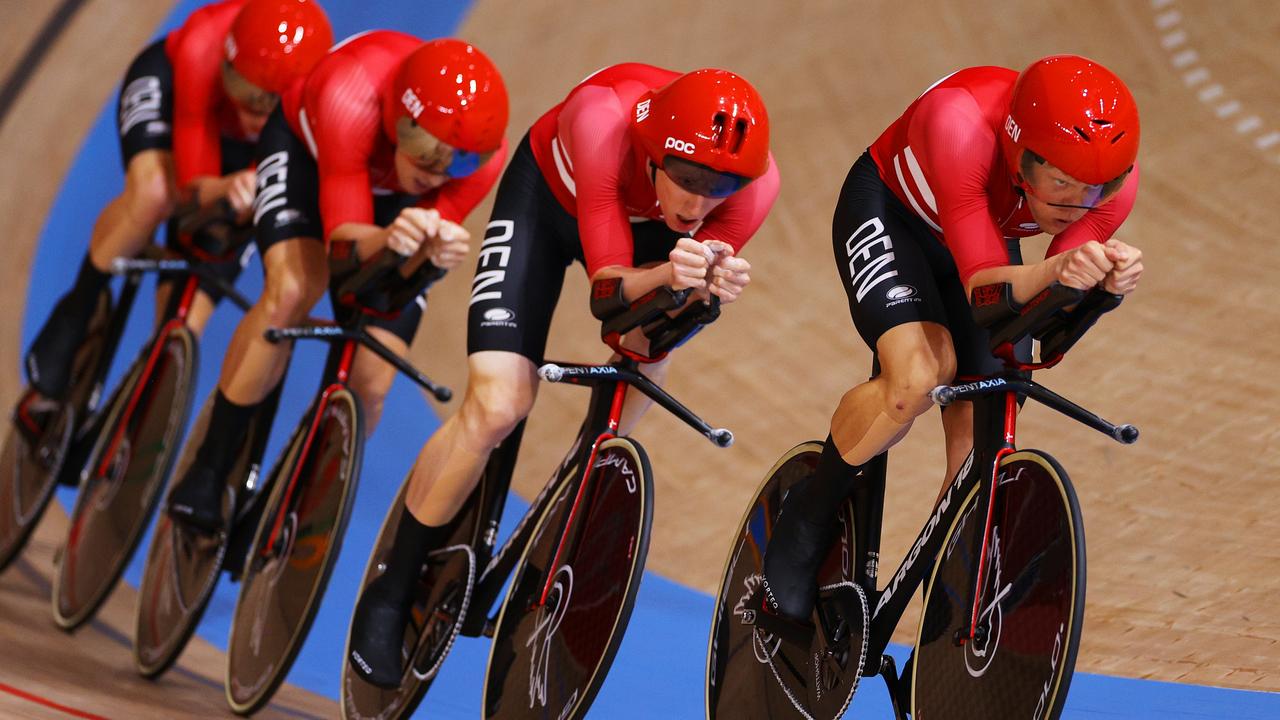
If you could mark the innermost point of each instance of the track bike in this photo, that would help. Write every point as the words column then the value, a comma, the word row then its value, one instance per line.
column 284, row 531
column 133, row 443
column 49, row 438
column 1001, row 559
column 574, row 562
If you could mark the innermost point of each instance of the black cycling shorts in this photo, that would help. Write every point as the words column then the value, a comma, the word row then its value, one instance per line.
column 529, row 242
column 895, row 271
column 287, row 206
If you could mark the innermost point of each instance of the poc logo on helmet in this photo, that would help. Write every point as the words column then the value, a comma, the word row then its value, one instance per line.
column 411, row 103
column 679, row 146
column 1011, row 128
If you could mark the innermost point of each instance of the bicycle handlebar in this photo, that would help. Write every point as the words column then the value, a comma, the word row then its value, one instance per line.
column 379, row 286
column 593, row 374
column 946, row 394
column 664, row 332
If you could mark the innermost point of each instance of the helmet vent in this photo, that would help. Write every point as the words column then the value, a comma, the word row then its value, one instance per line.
column 739, row 135
column 1081, row 133
column 1101, row 123
column 717, row 130
column 1116, row 139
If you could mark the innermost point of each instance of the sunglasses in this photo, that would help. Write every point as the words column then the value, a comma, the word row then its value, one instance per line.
column 701, row 180
column 431, row 154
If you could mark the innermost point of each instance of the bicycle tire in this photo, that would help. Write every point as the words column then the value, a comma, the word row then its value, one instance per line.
column 269, row 625
column 29, row 476
column 749, row 673
column 607, row 546
column 182, row 568
column 119, row 493
column 1033, row 626
column 434, row 605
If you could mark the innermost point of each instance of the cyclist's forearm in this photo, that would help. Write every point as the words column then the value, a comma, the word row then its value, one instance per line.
column 369, row 239
column 1027, row 280
column 636, row 281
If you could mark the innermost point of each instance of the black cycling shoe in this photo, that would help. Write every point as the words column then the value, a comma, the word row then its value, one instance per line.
column 377, row 634
column 795, row 553
column 196, row 501
column 49, row 360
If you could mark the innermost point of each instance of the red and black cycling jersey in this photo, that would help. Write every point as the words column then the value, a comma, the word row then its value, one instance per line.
column 598, row 172
column 202, row 112
column 337, row 111
column 942, row 159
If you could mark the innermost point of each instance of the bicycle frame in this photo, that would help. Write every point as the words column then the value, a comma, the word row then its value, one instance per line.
column 995, row 408
column 609, row 386
column 337, row 372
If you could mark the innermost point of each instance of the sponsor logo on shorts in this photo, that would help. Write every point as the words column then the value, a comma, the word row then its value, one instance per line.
column 140, row 103
column 289, row 216
column 899, row 294
column 499, row 317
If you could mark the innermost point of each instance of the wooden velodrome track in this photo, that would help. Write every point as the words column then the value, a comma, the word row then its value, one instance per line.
column 1184, row 570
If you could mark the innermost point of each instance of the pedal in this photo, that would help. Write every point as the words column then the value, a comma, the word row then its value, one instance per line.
column 490, row 628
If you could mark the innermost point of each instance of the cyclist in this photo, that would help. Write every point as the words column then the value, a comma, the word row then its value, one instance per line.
column 190, row 109
column 619, row 176
column 390, row 142
column 934, row 209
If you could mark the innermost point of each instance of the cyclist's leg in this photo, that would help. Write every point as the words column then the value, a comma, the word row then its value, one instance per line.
column 297, row 275
column 877, row 247
column 517, row 284
column 973, row 359
column 127, row 222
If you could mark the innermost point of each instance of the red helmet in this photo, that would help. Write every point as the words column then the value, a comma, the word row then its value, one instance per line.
column 1075, row 114
column 272, row 42
column 453, row 91
column 710, row 117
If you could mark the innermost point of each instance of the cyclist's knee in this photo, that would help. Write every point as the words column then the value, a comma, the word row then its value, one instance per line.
column 289, row 295
column 493, row 407
column 908, row 386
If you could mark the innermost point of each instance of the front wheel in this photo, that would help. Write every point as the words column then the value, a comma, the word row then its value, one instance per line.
column 124, row 473
column 1031, row 603
column 562, row 620
column 294, row 551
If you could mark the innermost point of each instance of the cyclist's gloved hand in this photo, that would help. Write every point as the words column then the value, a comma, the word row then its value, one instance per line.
column 690, row 262
column 729, row 274
column 241, row 187
column 1126, row 269
column 1085, row 267
column 411, row 228
column 449, row 247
